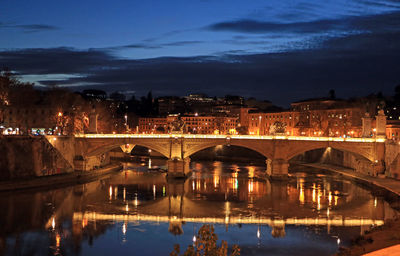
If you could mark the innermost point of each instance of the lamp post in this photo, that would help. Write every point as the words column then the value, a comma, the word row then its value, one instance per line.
column 60, row 122
column 126, row 122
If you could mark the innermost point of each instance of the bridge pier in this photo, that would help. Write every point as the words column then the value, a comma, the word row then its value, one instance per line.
column 178, row 168
column 277, row 168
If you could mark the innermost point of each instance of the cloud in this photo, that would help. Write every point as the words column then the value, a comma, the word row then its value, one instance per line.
column 182, row 43
column 29, row 28
column 136, row 46
column 348, row 24
column 152, row 46
column 61, row 60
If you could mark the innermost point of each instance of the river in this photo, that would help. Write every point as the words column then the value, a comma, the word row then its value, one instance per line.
column 137, row 212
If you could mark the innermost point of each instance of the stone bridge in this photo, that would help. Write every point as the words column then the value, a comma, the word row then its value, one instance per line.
column 86, row 151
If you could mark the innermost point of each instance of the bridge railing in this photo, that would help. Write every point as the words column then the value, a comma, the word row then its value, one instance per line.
column 247, row 137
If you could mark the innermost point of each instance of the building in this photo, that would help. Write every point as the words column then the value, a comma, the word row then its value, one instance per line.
column 262, row 123
column 393, row 130
column 170, row 105
column 194, row 124
column 150, row 125
column 199, row 103
column 318, row 117
column 210, row 124
column 22, row 120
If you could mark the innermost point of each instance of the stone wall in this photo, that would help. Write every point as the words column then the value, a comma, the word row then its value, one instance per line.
column 25, row 156
column 392, row 159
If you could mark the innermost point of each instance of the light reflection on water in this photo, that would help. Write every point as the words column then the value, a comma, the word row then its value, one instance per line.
column 138, row 211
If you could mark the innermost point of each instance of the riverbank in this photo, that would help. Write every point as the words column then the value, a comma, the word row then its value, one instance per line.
column 376, row 239
column 389, row 184
column 58, row 180
column 379, row 237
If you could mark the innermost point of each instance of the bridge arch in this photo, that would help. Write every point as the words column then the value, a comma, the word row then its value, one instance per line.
column 112, row 145
column 264, row 151
column 359, row 153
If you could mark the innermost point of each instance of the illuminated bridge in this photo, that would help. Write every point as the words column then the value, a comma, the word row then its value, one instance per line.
column 86, row 151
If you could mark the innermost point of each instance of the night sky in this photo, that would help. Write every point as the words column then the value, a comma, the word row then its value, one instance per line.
column 275, row 50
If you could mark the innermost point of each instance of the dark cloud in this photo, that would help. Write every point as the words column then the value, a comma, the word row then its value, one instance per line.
column 152, row 46
column 349, row 24
column 182, row 43
column 354, row 65
column 136, row 46
column 30, row 28
column 55, row 60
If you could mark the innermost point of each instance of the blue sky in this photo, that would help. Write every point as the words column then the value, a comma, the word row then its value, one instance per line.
column 251, row 48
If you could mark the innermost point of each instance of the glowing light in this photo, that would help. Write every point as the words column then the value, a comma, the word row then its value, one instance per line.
column 110, row 192
column 301, row 195
column 313, row 193
column 319, row 201
column 154, row 192
column 127, row 207
column 258, row 233
column 194, row 239
column 227, row 208
column 235, row 184
column 216, row 181
column 124, row 194
column 330, row 198
column 53, row 223
column 338, row 241
column 193, row 185
column 320, row 221
column 124, row 228
column 58, row 239
column 375, row 202
column 60, row 114
column 251, row 186
column 251, row 171
column 84, row 222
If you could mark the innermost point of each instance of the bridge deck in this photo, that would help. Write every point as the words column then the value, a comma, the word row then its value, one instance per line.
column 211, row 136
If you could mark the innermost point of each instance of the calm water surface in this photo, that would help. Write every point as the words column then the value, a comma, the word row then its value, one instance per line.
column 135, row 212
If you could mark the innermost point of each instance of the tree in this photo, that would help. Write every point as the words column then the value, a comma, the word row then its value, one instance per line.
column 13, row 91
column 206, row 244
column 277, row 127
column 397, row 94
column 332, row 94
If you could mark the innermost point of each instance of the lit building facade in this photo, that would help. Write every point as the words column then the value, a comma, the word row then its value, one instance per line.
column 308, row 118
column 194, row 124
column 150, row 125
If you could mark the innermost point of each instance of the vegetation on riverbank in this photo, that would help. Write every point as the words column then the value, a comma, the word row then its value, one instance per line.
column 206, row 244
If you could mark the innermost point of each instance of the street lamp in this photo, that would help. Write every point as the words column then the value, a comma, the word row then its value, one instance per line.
column 126, row 122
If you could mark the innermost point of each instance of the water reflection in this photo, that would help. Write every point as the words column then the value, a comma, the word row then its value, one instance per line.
column 144, row 206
